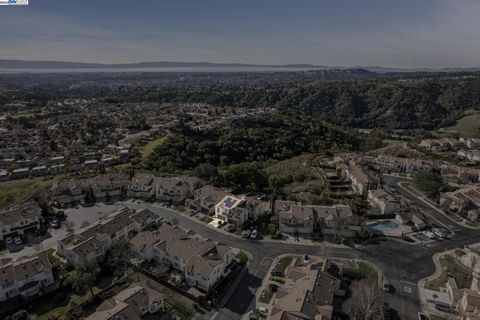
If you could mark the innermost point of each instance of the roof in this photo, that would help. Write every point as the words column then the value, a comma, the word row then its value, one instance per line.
column 307, row 294
column 24, row 267
column 128, row 304
column 230, row 202
column 200, row 255
column 17, row 213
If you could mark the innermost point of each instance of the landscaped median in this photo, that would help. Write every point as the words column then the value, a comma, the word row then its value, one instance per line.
column 450, row 269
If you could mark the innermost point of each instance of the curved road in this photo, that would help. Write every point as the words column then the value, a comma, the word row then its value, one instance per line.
column 403, row 264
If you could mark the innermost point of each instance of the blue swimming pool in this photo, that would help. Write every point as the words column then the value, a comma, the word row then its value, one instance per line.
column 382, row 226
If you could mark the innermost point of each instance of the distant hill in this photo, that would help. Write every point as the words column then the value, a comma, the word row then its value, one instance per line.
column 24, row 64
column 40, row 64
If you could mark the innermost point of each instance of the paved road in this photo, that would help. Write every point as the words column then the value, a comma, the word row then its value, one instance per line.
column 403, row 264
column 406, row 263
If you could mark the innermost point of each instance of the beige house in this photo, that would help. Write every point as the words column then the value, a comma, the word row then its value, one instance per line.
column 92, row 242
column 308, row 292
column 19, row 219
column 27, row 276
column 295, row 218
column 202, row 261
column 141, row 186
column 175, row 189
column 385, row 203
column 132, row 303
column 205, row 198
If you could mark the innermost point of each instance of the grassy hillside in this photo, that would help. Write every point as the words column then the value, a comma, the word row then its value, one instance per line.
column 469, row 125
column 20, row 191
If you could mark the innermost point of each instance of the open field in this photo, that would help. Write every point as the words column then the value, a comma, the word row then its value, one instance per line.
column 19, row 191
column 147, row 149
column 469, row 125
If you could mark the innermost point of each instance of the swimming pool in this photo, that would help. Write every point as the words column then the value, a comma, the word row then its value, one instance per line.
column 381, row 227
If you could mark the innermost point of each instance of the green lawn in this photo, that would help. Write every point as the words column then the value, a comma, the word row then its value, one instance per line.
column 453, row 269
column 469, row 125
column 23, row 115
column 266, row 296
column 364, row 270
column 53, row 314
column 20, row 191
column 147, row 149
column 283, row 263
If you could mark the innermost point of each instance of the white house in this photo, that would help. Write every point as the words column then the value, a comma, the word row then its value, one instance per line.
column 385, row 203
column 141, row 186
column 27, row 276
column 239, row 209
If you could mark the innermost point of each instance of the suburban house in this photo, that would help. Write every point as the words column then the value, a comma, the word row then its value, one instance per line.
column 141, row 186
column 98, row 188
column 414, row 219
column 470, row 155
column 202, row 261
column 360, row 181
column 174, row 189
column 92, row 242
column 471, row 143
column 462, row 200
column 205, row 198
column 132, row 303
column 239, row 209
column 19, row 219
column 308, row 292
column 295, row 218
column 465, row 301
column 386, row 163
column 386, row 203
column 27, row 276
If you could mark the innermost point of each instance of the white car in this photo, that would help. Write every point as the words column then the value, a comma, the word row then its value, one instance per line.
column 17, row 240
column 438, row 233
column 263, row 310
column 429, row 235
column 9, row 240
column 246, row 234
column 254, row 234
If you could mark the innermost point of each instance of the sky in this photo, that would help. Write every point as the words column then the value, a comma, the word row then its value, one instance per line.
column 394, row 33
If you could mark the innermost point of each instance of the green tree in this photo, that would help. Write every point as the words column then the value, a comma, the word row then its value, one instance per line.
column 207, row 172
column 84, row 276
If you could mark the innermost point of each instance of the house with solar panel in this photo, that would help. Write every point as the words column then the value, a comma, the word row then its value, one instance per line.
column 239, row 209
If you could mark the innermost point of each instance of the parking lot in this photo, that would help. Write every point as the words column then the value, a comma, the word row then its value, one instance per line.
column 76, row 218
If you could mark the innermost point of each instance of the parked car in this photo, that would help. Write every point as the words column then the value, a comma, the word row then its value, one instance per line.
column 422, row 316
column 17, row 240
column 55, row 224
column 445, row 307
column 429, row 235
column 254, row 235
column 230, row 227
column 386, row 286
column 246, row 234
column 438, row 233
column 263, row 310
column 273, row 287
column 9, row 240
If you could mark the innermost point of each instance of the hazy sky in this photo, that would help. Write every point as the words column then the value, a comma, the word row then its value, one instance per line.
column 400, row 33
